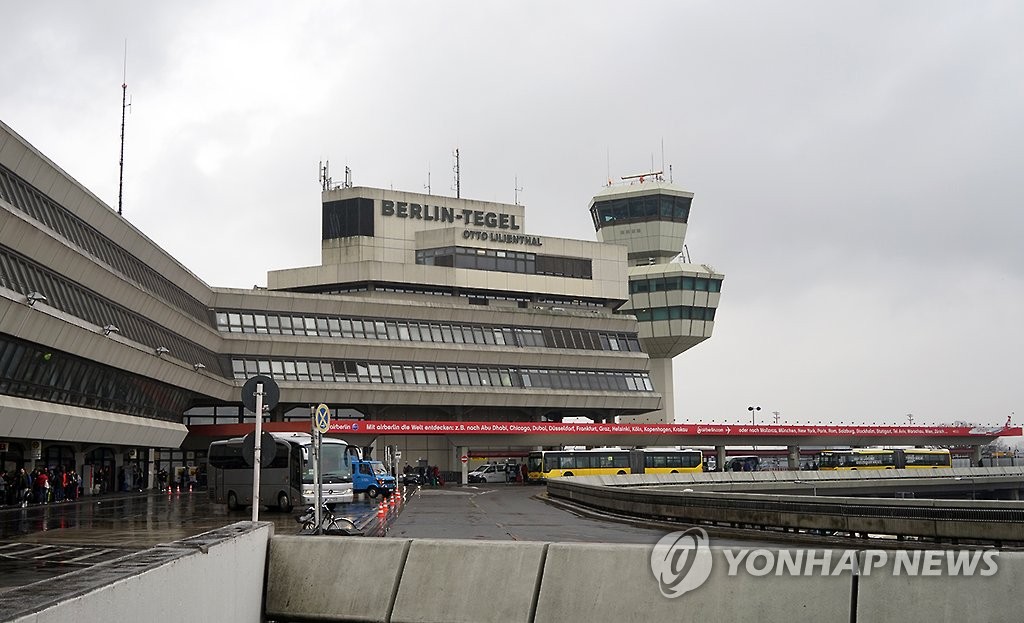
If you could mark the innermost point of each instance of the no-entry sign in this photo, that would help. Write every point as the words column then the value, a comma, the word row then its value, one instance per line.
column 464, row 458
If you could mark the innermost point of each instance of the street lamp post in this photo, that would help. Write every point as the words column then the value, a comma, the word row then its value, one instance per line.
column 753, row 413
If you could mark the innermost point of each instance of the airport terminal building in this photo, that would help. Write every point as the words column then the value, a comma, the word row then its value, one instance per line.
column 422, row 308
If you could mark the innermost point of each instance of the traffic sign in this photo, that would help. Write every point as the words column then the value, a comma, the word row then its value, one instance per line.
column 268, row 449
column 271, row 393
column 322, row 418
column 464, row 458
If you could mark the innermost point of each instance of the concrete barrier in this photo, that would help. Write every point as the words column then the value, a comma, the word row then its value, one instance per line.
column 610, row 582
column 219, row 576
column 884, row 596
column 469, row 581
column 333, row 578
column 215, row 576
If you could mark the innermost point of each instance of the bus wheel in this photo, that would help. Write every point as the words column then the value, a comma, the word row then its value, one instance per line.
column 567, row 474
column 372, row 491
column 232, row 501
column 674, row 472
column 621, row 473
column 283, row 503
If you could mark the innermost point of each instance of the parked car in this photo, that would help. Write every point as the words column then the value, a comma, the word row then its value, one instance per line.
column 491, row 472
column 410, row 479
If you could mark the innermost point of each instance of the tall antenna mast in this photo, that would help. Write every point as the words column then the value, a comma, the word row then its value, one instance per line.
column 517, row 189
column 458, row 181
column 428, row 180
column 325, row 175
column 124, row 109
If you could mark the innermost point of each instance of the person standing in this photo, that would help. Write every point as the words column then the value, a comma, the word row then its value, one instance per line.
column 24, row 487
column 42, row 487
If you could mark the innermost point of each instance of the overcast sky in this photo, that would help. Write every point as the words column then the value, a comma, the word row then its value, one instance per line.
column 856, row 165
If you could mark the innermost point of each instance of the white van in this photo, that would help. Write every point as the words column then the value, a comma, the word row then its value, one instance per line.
column 488, row 472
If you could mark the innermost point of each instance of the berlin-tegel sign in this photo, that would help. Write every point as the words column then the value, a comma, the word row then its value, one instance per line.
column 711, row 430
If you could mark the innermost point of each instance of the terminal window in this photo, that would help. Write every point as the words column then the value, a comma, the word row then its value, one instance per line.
column 348, row 217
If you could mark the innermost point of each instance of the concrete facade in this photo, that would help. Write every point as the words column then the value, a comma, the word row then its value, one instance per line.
column 423, row 308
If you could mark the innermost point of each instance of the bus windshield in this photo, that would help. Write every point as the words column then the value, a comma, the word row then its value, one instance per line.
column 334, row 462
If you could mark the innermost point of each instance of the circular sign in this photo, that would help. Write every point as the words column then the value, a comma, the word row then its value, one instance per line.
column 464, row 458
column 271, row 393
column 268, row 448
column 322, row 418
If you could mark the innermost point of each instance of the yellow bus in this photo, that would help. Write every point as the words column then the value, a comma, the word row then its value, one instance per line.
column 925, row 458
column 880, row 458
column 545, row 464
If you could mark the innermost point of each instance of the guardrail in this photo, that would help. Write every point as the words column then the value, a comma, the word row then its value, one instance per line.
column 940, row 520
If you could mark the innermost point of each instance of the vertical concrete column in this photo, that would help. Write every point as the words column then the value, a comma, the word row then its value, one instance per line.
column 975, row 455
column 461, row 451
column 660, row 371
column 118, row 469
column 720, row 458
column 80, row 470
column 151, row 469
column 794, row 457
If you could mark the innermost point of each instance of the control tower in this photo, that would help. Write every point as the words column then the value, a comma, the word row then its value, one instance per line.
column 673, row 299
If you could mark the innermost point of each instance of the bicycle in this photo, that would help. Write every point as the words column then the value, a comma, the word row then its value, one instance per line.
column 329, row 523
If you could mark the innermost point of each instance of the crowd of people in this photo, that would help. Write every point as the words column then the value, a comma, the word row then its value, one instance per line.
column 50, row 485
column 40, row 486
column 428, row 475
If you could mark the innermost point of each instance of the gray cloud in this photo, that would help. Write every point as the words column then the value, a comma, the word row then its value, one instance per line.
column 853, row 163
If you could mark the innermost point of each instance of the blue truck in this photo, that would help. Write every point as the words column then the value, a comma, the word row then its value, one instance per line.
column 371, row 477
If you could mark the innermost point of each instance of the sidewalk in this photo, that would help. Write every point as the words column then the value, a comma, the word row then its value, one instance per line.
column 95, row 498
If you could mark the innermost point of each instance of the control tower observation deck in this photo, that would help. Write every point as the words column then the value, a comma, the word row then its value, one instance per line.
column 673, row 299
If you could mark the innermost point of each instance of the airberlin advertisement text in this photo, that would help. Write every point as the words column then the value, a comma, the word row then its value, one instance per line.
column 540, row 428
column 419, row 427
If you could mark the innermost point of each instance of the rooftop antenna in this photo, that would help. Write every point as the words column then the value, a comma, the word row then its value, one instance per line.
column 517, row 189
column 458, row 190
column 670, row 179
column 663, row 153
column 348, row 177
column 325, row 175
column 124, row 108
column 608, row 164
column 428, row 180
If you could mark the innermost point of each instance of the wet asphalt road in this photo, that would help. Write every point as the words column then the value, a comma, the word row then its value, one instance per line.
column 40, row 542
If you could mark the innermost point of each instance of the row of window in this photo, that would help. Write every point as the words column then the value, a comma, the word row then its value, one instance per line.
column 674, row 312
column 487, row 295
column 29, row 200
column 668, row 284
column 23, row 275
column 507, row 261
column 348, row 371
column 640, row 209
column 30, row 371
column 441, row 333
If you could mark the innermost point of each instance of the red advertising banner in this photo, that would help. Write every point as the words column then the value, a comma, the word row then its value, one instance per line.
column 718, row 430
